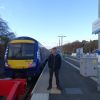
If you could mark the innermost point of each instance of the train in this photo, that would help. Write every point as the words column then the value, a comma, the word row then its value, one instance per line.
column 25, row 57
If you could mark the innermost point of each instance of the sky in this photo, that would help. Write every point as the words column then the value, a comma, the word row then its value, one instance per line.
column 45, row 20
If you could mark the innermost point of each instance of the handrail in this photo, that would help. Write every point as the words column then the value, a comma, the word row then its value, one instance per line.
column 12, row 89
column 14, row 92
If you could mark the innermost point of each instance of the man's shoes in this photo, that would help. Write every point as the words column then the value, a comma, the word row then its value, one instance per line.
column 49, row 88
column 59, row 88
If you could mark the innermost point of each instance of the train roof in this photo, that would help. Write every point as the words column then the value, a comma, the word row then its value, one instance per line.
column 28, row 38
column 25, row 38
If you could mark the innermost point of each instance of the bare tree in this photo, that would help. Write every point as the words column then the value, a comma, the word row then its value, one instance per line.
column 5, row 30
column 5, row 36
column 88, row 46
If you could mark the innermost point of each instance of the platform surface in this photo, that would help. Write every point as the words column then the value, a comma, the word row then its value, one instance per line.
column 75, row 86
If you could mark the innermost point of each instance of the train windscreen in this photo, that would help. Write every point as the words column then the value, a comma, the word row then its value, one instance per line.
column 21, row 51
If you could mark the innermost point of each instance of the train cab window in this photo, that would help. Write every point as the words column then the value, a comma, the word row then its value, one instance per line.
column 14, row 50
column 28, row 50
column 24, row 50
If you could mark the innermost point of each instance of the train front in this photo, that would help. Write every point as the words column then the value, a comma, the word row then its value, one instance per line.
column 20, row 58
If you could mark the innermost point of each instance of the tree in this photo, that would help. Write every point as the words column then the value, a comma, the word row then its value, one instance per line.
column 3, row 27
column 88, row 46
column 5, row 31
column 5, row 36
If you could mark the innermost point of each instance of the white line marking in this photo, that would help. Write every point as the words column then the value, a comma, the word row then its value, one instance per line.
column 38, row 79
column 73, row 59
column 93, row 78
column 40, row 96
column 72, row 65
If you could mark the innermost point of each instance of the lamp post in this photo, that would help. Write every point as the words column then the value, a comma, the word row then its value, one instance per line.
column 98, row 68
column 61, row 41
column 96, row 30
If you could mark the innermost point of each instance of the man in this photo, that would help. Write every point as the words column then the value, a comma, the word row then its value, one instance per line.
column 54, row 64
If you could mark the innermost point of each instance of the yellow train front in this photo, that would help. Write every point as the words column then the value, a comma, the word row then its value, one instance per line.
column 24, row 57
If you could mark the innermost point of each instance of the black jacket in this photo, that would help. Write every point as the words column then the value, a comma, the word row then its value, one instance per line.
column 54, row 62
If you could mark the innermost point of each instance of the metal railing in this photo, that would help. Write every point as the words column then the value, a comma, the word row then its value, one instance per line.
column 12, row 89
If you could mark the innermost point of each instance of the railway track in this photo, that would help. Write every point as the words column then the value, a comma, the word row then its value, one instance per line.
column 30, row 86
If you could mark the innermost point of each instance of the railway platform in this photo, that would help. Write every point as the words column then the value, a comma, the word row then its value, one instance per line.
column 74, row 86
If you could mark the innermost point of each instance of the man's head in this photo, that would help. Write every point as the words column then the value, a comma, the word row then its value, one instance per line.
column 54, row 51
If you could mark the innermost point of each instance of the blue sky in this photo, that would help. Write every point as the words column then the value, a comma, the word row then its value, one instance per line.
column 44, row 20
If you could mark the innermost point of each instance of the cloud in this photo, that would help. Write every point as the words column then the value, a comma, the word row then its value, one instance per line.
column 2, row 8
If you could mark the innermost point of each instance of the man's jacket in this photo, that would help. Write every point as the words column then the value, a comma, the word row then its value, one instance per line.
column 54, row 62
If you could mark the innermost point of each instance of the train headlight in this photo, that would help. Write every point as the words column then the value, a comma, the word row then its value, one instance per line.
column 33, row 64
column 6, row 64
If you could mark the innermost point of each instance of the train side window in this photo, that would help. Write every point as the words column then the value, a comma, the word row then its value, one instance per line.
column 38, row 54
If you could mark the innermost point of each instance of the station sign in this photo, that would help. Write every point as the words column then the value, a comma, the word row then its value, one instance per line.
column 96, row 27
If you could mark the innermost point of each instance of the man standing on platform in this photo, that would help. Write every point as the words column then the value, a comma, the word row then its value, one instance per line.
column 54, row 64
